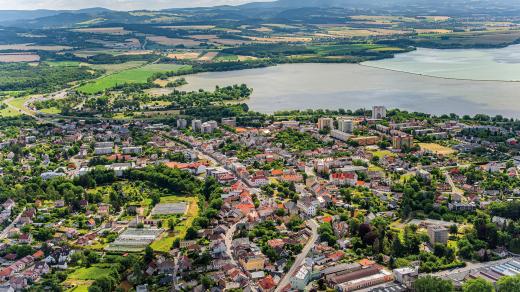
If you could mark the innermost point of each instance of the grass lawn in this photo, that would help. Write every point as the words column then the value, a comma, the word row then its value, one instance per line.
column 226, row 57
column 383, row 153
column 9, row 112
column 375, row 168
column 63, row 64
column 78, row 285
column 92, row 273
column 135, row 75
column 51, row 111
column 19, row 102
column 113, row 68
column 82, row 286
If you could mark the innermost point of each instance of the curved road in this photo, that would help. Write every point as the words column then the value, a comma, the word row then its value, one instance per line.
column 301, row 257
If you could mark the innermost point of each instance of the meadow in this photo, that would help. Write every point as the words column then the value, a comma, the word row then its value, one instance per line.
column 135, row 75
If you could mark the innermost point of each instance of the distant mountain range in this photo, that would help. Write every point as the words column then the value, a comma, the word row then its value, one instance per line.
column 271, row 10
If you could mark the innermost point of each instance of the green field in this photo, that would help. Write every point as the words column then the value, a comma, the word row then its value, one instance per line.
column 63, row 64
column 9, row 112
column 113, row 68
column 135, row 75
column 82, row 278
column 51, row 111
column 92, row 273
column 225, row 58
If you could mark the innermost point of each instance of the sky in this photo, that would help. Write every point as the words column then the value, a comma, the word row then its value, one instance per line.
column 113, row 4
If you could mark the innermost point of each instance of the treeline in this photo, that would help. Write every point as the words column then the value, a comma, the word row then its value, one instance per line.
column 174, row 180
column 42, row 78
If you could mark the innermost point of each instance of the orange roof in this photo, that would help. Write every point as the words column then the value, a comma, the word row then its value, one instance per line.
column 327, row 219
column 366, row 262
column 276, row 172
column 267, row 283
column 336, row 255
column 245, row 208
column 360, row 183
column 38, row 254
column 6, row 272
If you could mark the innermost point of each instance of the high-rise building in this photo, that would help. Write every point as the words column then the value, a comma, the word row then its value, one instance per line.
column 182, row 124
column 402, row 141
column 378, row 112
column 209, row 127
column 324, row 123
column 196, row 125
column 346, row 125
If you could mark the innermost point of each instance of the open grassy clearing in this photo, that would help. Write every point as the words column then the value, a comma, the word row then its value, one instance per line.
column 436, row 148
column 51, row 111
column 63, row 63
column 135, row 75
column 383, row 153
column 18, row 104
column 113, row 68
column 8, row 113
column 92, row 273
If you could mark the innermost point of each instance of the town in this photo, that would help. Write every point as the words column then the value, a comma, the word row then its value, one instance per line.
column 369, row 200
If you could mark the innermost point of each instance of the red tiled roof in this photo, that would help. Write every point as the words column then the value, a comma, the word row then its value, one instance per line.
column 267, row 283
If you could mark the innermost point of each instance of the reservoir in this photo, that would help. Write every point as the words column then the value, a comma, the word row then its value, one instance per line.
column 394, row 83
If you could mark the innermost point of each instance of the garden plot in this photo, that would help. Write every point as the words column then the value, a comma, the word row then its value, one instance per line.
column 135, row 239
column 170, row 209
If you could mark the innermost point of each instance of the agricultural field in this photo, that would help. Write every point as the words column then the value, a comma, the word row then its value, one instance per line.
column 30, row 47
column 135, row 75
column 173, row 42
column 15, row 58
column 104, row 30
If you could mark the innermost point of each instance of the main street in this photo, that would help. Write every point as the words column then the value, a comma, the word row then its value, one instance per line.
column 301, row 257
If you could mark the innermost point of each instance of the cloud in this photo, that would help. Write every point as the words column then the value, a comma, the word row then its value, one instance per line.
column 114, row 4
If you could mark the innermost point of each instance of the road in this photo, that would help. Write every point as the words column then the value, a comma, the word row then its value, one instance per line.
column 229, row 239
column 301, row 257
column 454, row 188
column 6, row 230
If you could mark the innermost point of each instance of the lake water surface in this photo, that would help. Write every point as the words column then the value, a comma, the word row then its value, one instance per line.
column 473, row 64
column 352, row 86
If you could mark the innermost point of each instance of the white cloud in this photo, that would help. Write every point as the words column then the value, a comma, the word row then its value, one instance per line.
column 114, row 4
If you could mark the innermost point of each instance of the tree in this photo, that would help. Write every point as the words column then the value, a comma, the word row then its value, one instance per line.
column 433, row 284
column 156, row 199
column 148, row 254
column 477, row 285
column 508, row 284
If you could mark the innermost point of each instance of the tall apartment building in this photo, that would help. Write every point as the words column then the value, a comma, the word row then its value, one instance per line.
column 378, row 112
column 402, row 141
column 346, row 125
column 324, row 123
column 208, row 127
column 196, row 125
column 182, row 124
